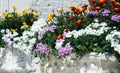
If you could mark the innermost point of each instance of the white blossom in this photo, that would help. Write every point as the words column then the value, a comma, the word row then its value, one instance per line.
column 36, row 27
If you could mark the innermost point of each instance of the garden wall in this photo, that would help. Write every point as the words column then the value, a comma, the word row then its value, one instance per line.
column 47, row 6
column 20, row 4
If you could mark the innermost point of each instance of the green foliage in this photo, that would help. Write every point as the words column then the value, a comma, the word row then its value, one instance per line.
column 63, row 20
column 14, row 21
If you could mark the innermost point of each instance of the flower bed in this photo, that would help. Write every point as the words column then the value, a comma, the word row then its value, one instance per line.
column 82, row 30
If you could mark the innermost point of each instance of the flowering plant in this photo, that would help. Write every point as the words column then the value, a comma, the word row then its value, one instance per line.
column 81, row 30
column 17, row 21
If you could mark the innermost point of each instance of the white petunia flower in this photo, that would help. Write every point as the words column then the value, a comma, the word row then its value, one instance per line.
column 37, row 25
column 32, row 41
column 3, row 31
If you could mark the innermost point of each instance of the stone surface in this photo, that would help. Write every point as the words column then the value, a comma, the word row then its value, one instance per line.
column 14, row 61
column 20, row 4
column 90, row 63
column 47, row 6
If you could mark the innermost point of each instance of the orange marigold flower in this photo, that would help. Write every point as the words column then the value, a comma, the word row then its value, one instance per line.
column 116, row 9
column 71, row 18
column 81, row 9
column 116, row 4
column 112, row 1
column 97, row 8
column 59, row 36
column 102, row 2
column 79, row 22
column 93, row 1
column 72, row 7
column 91, row 7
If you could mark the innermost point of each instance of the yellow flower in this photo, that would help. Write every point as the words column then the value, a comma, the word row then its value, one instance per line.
column 18, row 13
column 36, row 14
column 31, row 20
column 14, row 7
column 50, row 16
column 25, row 25
column 4, row 13
column 60, row 10
column 10, row 15
column 12, row 30
column 26, row 12
column 31, row 7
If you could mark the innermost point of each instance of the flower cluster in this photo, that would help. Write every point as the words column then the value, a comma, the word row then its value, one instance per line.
column 94, row 13
column 114, row 38
column 16, row 21
column 42, row 48
column 65, row 50
column 116, row 18
column 106, row 12
column 77, row 31
column 45, row 29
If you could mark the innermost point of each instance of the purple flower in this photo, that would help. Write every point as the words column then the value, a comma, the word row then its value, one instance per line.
column 106, row 12
column 116, row 18
column 64, row 35
column 41, row 33
column 42, row 48
column 6, row 39
column 59, row 40
column 45, row 29
column 94, row 13
column 52, row 28
column 65, row 50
